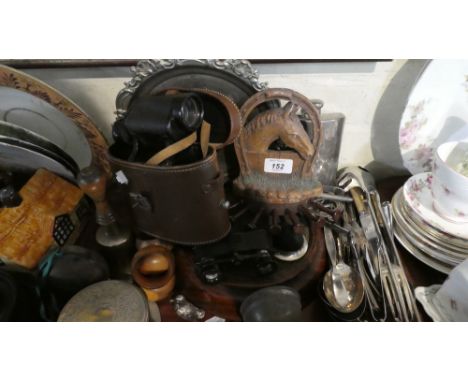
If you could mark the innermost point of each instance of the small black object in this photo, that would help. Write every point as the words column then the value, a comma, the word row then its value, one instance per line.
column 9, row 197
column 19, row 301
column 211, row 269
column 63, row 228
column 64, row 273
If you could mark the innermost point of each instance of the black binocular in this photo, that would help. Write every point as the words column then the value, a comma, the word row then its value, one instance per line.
column 160, row 120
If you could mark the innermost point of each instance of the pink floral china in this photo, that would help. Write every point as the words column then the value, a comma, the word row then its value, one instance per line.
column 417, row 195
column 436, row 112
column 449, row 183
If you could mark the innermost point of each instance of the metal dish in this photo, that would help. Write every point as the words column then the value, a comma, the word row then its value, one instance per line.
column 272, row 304
column 17, row 135
column 33, row 114
column 18, row 156
column 35, row 101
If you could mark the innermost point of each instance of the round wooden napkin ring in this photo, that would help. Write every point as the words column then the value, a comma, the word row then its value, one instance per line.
column 153, row 267
column 155, row 295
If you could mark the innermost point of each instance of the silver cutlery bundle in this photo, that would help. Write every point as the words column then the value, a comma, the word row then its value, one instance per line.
column 365, row 239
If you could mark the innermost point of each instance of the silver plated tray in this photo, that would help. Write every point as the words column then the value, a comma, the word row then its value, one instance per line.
column 236, row 79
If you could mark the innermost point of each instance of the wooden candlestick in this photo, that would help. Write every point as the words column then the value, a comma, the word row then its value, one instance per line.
column 115, row 240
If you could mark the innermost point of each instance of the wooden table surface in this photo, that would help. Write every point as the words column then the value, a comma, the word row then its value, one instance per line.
column 417, row 272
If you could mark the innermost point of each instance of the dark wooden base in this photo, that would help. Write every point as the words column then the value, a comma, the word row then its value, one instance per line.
column 224, row 301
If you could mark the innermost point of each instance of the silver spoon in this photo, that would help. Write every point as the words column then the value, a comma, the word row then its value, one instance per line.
column 342, row 285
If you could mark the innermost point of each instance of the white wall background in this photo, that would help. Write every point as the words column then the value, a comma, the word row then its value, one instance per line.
column 366, row 92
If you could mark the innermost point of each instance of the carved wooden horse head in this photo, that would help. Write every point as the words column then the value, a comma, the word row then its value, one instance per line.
column 278, row 183
column 271, row 125
column 252, row 146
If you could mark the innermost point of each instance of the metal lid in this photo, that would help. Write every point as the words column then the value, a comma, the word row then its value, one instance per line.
column 107, row 301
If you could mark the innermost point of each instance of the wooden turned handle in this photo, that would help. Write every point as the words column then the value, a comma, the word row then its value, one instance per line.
column 358, row 198
column 93, row 183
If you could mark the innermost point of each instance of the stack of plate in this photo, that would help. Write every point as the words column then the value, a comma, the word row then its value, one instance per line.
column 437, row 242
column 41, row 128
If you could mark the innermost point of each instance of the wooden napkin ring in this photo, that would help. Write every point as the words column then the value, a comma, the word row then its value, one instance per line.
column 155, row 295
column 153, row 267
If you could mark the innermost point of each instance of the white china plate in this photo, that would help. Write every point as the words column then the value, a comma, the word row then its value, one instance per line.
column 417, row 195
column 34, row 114
column 436, row 112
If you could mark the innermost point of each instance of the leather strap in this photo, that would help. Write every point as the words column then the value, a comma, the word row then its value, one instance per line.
column 183, row 144
column 205, row 138
column 172, row 150
column 235, row 120
column 231, row 109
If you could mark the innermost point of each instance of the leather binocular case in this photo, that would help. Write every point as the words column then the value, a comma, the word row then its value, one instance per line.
column 184, row 204
column 180, row 204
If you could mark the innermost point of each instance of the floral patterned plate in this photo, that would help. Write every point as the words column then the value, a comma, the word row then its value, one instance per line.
column 417, row 195
column 34, row 105
column 436, row 112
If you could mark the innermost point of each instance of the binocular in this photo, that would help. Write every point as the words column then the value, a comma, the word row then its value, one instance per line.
column 160, row 120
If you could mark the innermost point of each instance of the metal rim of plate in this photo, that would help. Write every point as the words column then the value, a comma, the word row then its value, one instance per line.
column 413, row 247
column 17, row 135
column 430, row 262
column 13, row 152
column 442, row 249
column 18, row 80
column 423, row 246
column 239, row 73
column 435, row 234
